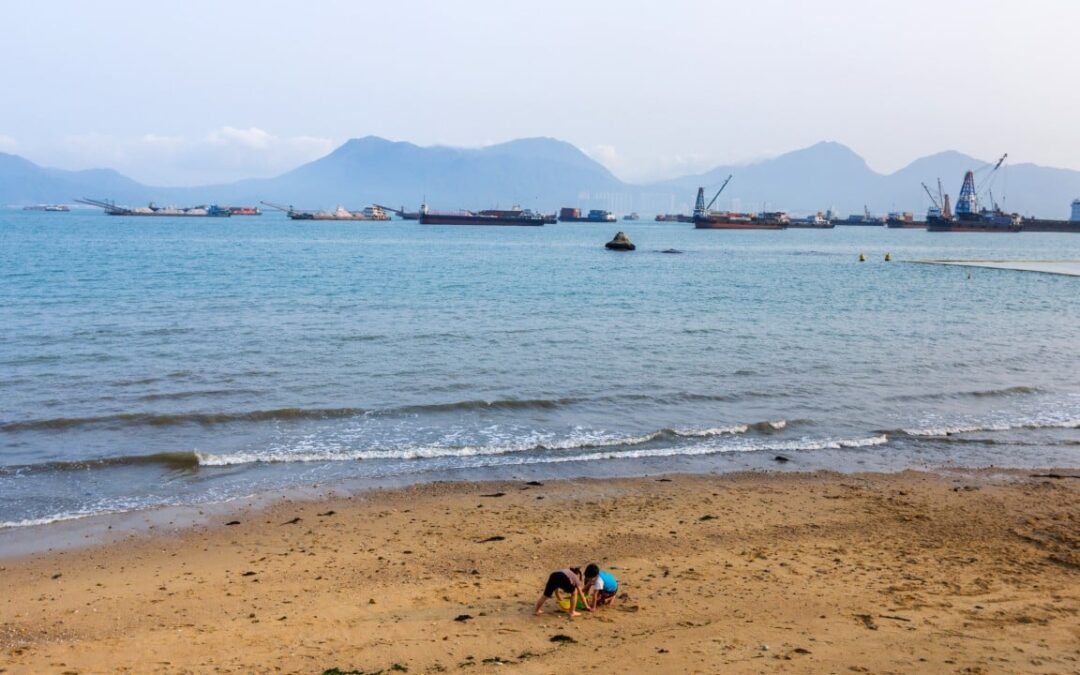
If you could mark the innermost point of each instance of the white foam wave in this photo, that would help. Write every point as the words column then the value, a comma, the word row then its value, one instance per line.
column 974, row 428
column 435, row 452
column 789, row 446
column 30, row 522
column 531, row 444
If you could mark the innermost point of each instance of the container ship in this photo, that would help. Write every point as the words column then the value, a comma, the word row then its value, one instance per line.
column 572, row 215
column 112, row 209
column 514, row 216
column 707, row 219
column 969, row 217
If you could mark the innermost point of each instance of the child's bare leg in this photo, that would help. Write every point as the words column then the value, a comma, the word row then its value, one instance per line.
column 573, row 604
column 540, row 605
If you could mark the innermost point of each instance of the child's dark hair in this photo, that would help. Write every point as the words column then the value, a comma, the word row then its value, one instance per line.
column 592, row 570
column 576, row 570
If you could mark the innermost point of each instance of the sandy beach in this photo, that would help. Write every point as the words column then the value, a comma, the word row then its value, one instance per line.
column 814, row 573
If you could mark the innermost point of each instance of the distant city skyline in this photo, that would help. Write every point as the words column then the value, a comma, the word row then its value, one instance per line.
column 200, row 92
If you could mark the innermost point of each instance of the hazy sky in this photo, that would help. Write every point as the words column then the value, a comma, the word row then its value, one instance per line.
column 201, row 91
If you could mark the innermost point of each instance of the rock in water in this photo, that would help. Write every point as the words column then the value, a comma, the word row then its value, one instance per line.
column 621, row 242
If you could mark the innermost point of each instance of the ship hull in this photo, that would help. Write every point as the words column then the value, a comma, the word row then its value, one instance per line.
column 906, row 225
column 169, row 215
column 811, row 226
column 1037, row 225
column 454, row 219
column 735, row 225
column 970, row 227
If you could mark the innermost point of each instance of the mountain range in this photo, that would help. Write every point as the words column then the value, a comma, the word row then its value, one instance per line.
column 546, row 174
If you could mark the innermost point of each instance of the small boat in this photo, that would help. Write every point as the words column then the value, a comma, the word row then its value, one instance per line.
column 244, row 210
column 815, row 222
column 632, row 216
column 51, row 208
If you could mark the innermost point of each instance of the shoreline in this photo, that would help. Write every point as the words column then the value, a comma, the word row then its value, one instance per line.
column 944, row 570
column 97, row 529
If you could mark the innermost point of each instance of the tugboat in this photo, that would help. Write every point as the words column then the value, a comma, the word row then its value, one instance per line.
column 705, row 219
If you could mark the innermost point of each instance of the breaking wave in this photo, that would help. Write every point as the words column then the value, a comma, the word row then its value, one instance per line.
column 945, row 431
column 626, row 448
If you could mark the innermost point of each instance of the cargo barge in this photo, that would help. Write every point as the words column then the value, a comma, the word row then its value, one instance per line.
column 707, row 219
column 742, row 221
column 674, row 218
column 212, row 211
column 340, row 213
column 1044, row 225
column 511, row 217
column 573, row 215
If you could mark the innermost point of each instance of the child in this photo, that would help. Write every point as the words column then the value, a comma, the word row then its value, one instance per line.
column 602, row 586
column 559, row 582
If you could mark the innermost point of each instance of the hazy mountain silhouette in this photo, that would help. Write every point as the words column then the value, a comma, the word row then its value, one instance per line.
column 547, row 173
column 23, row 182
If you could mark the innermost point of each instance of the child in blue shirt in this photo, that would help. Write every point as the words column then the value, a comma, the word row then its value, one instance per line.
column 600, row 586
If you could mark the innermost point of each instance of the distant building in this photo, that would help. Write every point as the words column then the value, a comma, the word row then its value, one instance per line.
column 1076, row 211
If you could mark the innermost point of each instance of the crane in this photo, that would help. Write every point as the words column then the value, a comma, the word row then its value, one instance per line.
column 279, row 207
column 713, row 201
column 933, row 201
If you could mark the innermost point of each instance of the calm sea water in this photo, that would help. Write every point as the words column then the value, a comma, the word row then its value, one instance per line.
column 177, row 361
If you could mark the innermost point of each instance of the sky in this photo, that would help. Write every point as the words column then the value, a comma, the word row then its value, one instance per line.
column 204, row 91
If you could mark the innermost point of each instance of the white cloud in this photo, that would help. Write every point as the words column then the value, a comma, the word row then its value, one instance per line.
column 7, row 143
column 222, row 155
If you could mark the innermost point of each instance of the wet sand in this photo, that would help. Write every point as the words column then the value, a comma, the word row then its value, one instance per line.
column 802, row 573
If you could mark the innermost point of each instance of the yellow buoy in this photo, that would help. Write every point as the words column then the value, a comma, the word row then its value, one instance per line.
column 888, row 257
column 862, row 258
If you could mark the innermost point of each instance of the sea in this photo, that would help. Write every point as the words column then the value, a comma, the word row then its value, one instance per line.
column 170, row 362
